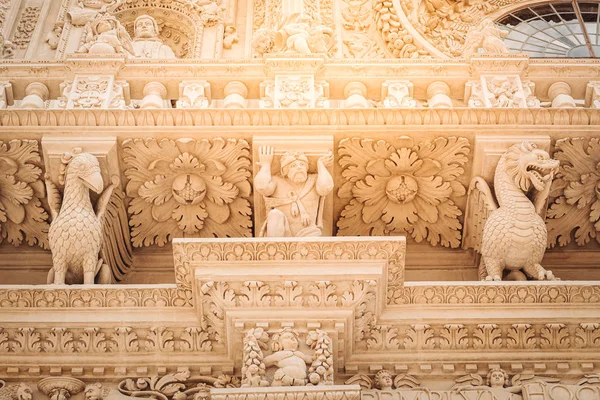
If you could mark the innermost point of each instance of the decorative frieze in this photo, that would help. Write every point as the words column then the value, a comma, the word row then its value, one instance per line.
column 26, row 26
column 94, row 92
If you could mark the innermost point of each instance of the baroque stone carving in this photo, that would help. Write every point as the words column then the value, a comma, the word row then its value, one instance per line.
column 399, row 42
column 187, row 187
column 60, row 388
column 294, row 198
column 146, row 43
column 253, row 367
column 77, row 231
column 22, row 217
column 15, row 392
column 403, row 188
column 486, row 36
column 94, row 92
column 496, row 382
column 7, row 48
column 511, row 235
column 575, row 210
column 384, row 380
column 26, row 26
column 106, row 35
column 86, row 10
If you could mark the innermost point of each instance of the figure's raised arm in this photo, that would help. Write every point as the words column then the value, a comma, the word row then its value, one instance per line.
column 324, row 179
column 263, row 182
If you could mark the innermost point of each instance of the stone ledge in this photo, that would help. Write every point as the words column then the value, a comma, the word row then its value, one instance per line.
column 333, row 392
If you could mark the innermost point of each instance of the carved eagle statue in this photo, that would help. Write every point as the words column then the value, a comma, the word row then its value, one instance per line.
column 511, row 234
column 78, row 233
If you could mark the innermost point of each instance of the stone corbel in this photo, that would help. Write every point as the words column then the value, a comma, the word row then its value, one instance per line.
column 398, row 94
column 592, row 94
column 194, row 94
column 94, row 92
column 6, row 94
column 60, row 387
column 294, row 83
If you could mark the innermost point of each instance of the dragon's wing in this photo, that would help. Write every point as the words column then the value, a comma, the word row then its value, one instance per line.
column 54, row 197
column 480, row 204
column 116, row 243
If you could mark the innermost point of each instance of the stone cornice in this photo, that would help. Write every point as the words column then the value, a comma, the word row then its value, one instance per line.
column 565, row 118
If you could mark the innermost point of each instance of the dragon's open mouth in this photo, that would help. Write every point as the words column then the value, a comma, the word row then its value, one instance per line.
column 540, row 174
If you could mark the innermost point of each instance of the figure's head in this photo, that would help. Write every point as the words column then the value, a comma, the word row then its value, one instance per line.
column 85, row 168
column 528, row 166
column 93, row 391
column 285, row 339
column 383, row 380
column 146, row 27
column 497, row 378
column 263, row 41
column 294, row 166
column 104, row 25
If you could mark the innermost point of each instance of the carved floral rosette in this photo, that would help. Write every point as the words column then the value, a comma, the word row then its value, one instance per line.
column 187, row 188
column 575, row 212
column 403, row 188
column 22, row 217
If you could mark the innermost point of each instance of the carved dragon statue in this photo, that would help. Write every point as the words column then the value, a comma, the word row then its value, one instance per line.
column 78, row 232
column 511, row 234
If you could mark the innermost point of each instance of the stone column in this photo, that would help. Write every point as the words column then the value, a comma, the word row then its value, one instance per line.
column 560, row 94
column 438, row 95
column 36, row 95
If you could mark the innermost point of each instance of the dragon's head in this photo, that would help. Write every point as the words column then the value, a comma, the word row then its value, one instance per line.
column 84, row 167
column 528, row 165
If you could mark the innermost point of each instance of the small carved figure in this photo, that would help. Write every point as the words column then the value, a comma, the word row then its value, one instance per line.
column 511, row 234
column 300, row 34
column 106, row 35
column 383, row 380
column 294, row 199
column 498, row 383
column 487, row 36
column 263, row 41
column 291, row 363
column 7, row 48
column 230, row 37
column 87, row 10
column 76, row 232
column 94, row 392
column 146, row 42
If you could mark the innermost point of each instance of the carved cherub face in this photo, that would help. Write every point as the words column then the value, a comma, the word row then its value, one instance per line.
column 93, row 392
column 145, row 27
column 497, row 378
column 383, row 380
column 288, row 341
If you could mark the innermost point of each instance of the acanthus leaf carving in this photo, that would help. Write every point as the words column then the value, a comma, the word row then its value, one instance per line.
column 22, row 217
column 187, row 187
column 575, row 211
column 521, row 336
column 403, row 188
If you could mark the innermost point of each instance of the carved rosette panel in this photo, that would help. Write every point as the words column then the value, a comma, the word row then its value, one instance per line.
column 187, row 188
column 576, row 210
column 22, row 217
column 403, row 188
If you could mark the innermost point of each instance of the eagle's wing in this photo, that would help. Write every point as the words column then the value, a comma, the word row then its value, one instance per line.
column 362, row 380
column 116, row 248
column 480, row 204
column 54, row 197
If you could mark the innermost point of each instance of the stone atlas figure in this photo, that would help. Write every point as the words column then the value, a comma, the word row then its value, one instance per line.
column 511, row 234
column 294, row 199
column 78, row 232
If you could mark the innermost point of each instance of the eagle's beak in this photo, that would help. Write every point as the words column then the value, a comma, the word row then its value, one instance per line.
column 94, row 182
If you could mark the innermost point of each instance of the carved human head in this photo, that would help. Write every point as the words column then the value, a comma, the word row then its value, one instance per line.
column 383, row 380
column 93, row 391
column 104, row 24
column 146, row 27
column 263, row 41
column 497, row 378
column 285, row 339
column 529, row 166
column 294, row 165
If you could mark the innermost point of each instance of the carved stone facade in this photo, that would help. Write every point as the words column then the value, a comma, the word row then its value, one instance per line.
column 295, row 200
